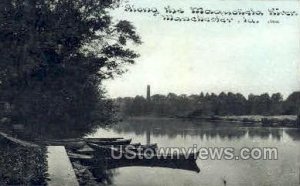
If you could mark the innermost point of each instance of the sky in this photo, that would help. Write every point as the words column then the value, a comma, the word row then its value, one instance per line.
column 189, row 58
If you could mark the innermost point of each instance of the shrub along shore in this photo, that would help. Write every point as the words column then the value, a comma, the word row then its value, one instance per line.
column 22, row 165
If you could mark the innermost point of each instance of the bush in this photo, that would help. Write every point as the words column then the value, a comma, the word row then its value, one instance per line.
column 22, row 166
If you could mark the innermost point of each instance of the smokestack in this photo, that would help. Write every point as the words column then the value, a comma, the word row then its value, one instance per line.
column 148, row 93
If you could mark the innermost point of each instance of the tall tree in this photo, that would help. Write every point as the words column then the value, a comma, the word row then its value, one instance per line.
column 54, row 56
column 292, row 104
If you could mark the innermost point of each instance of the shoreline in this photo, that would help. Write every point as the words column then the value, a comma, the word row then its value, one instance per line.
column 287, row 121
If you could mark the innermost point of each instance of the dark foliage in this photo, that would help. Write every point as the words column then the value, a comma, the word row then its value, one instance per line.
column 53, row 58
column 22, row 166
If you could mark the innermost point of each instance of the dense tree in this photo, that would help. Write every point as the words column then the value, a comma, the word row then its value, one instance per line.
column 212, row 104
column 276, row 104
column 292, row 104
column 54, row 56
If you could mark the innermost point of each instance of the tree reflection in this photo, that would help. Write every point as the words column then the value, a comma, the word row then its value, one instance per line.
column 173, row 127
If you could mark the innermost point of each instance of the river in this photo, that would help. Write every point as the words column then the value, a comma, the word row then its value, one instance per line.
column 179, row 133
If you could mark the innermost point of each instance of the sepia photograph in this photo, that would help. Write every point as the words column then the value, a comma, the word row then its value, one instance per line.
column 150, row 92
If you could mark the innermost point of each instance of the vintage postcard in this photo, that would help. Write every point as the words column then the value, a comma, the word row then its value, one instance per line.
column 150, row 92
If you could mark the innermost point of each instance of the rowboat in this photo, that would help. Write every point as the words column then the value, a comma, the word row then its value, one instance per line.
column 104, row 149
column 182, row 164
column 76, row 143
column 87, row 159
column 68, row 145
column 179, row 156
column 138, row 148
column 116, row 142
column 79, row 140
column 138, row 145
column 150, row 146
column 158, row 156
column 133, row 152
column 102, row 139
column 85, row 150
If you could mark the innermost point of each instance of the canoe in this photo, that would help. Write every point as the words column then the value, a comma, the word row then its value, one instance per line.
column 68, row 145
column 131, row 148
column 132, row 144
column 189, row 163
column 102, row 139
column 182, row 164
column 154, row 156
column 113, row 143
column 76, row 143
column 150, row 146
column 79, row 139
column 179, row 156
column 138, row 148
column 80, row 157
column 102, row 151
column 85, row 150
column 133, row 152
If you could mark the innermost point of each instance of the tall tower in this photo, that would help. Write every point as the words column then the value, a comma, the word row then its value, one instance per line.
column 148, row 137
column 148, row 93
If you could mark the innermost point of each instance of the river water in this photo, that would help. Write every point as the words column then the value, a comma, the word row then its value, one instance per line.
column 284, row 171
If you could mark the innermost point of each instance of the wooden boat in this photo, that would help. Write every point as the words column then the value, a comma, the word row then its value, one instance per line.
column 103, row 148
column 137, row 145
column 85, row 150
column 77, row 143
column 68, row 145
column 81, row 157
column 150, row 146
column 178, row 156
column 102, row 139
column 138, row 148
column 182, row 164
column 62, row 140
column 188, row 164
column 113, row 143
column 123, row 148
column 79, row 139
column 108, row 150
column 132, row 144
column 155, row 156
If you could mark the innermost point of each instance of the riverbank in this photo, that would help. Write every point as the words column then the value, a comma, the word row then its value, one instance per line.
column 289, row 121
column 22, row 165
column 258, row 120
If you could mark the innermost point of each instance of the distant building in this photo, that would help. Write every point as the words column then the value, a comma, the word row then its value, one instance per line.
column 148, row 93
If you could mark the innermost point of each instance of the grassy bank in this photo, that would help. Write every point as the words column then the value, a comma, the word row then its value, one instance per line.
column 22, row 166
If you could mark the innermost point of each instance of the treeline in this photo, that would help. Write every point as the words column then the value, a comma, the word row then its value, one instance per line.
column 210, row 104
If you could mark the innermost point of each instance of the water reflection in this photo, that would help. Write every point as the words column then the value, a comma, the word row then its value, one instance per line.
column 172, row 128
column 168, row 132
column 178, row 133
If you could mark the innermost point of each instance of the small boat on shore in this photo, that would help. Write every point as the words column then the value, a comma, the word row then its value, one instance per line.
column 81, row 157
column 138, row 146
column 103, row 139
column 134, row 152
column 152, row 148
column 113, row 143
column 182, row 164
column 76, row 143
column 80, row 140
column 68, row 145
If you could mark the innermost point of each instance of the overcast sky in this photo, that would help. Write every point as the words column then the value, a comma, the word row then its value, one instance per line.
column 187, row 58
